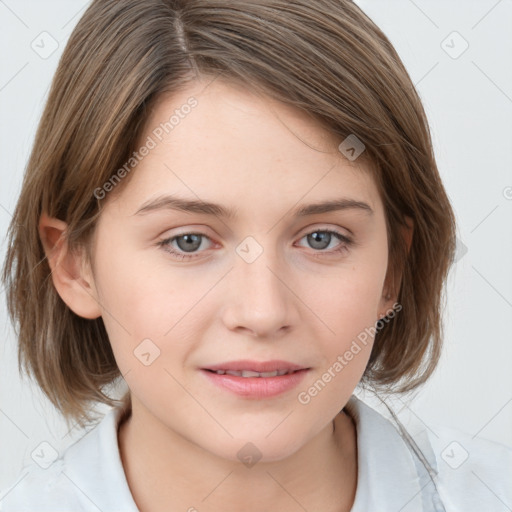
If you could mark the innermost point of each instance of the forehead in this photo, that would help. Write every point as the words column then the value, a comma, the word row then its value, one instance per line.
column 218, row 141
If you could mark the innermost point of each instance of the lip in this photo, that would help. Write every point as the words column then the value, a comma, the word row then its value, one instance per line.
column 256, row 366
column 256, row 387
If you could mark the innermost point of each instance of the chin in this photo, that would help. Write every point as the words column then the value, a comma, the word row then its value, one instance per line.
column 252, row 447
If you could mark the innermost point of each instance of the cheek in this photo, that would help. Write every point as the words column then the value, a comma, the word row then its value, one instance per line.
column 348, row 302
column 139, row 293
column 347, row 306
column 349, row 312
column 145, row 301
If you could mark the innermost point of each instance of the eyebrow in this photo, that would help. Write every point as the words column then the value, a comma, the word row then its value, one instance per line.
column 205, row 207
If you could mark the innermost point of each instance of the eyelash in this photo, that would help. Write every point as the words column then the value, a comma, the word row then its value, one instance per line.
column 345, row 246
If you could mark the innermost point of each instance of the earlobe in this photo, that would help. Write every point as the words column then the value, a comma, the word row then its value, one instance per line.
column 407, row 232
column 390, row 292
column 386, row 297
column 70, row 275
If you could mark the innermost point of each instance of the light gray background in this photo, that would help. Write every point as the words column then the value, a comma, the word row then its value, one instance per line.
column 468, row 99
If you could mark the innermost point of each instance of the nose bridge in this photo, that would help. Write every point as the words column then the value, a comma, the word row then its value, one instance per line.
column 259, row 277
column 258, row 299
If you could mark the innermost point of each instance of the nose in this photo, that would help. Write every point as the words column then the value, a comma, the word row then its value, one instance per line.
column 259, row 298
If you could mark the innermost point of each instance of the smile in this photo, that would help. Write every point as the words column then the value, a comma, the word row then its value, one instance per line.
column 249, row 373
column 249, row 384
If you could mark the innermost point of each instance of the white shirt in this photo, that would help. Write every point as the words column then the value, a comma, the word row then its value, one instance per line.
column 90, row 476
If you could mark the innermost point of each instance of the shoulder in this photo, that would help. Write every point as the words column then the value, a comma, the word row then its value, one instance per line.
column 40, row 489
column 88, row 477
column 439, row 468
column 474, row 473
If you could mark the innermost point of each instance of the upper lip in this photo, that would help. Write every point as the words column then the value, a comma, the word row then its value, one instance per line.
column 256, row 366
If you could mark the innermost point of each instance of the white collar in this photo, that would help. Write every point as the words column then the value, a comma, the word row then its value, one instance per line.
column 100, row 446
column 390, row 478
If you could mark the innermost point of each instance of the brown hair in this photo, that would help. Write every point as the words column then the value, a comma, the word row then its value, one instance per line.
column 325, row 57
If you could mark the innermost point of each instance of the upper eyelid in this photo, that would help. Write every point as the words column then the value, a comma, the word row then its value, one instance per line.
column 335, row 231
column 305, row 231
column 345, row 242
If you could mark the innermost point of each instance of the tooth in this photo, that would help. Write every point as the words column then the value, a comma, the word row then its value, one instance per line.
column 249, row 373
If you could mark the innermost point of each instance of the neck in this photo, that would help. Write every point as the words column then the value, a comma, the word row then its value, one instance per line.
column 165, row 471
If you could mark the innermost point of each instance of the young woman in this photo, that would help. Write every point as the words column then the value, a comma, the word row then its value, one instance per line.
column 234, row 208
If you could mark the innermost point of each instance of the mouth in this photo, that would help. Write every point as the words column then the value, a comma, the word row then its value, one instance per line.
column 254, row 379
column 249, row 373
column 247, row 368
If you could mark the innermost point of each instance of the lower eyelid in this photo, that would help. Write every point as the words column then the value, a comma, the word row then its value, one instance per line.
column 344, row 240
column 170, row 240
column 340, row 236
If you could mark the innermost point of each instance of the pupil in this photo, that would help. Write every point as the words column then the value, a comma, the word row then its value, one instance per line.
column 316, row 238
column 192, row 242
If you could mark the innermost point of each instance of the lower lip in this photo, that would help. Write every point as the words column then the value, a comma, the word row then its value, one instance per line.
column 257, row 387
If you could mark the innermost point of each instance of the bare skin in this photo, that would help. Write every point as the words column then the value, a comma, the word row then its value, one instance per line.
column 296, row 302
column 280, row 485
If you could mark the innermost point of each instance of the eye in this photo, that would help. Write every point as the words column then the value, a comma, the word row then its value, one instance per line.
column 188, row 244
column 321, row 239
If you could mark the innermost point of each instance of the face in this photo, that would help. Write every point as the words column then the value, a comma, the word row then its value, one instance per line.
column 183, row 291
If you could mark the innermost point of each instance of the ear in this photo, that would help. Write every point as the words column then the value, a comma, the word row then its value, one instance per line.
column 393, row 282
column 71, row 275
